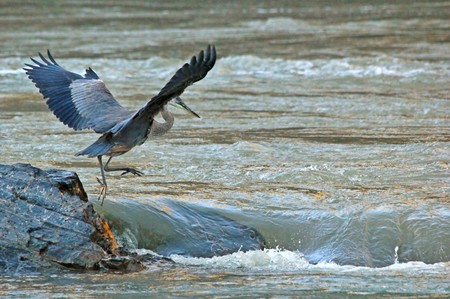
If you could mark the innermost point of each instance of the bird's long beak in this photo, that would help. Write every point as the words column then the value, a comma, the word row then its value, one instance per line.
column 179, row 103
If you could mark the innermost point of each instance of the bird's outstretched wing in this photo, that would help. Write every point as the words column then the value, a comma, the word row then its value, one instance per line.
column 188, row 74
column 80, row 102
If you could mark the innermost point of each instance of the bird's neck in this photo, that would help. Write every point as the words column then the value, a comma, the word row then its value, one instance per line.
column 158, row 128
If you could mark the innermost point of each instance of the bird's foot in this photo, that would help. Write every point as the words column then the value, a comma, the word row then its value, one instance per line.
column 133, row 171
column 103, row 187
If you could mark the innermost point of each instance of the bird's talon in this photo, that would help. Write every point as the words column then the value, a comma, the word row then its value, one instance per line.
column 133, row 171
column 103, row 187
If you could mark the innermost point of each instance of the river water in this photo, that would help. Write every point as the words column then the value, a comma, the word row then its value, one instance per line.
column 324, row 126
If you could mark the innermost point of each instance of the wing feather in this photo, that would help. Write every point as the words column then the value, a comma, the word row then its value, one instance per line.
column 83, row 102
column 189, row 73
column 80, row 102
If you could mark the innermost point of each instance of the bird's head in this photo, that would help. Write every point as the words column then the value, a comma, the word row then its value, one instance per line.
column 178, row 102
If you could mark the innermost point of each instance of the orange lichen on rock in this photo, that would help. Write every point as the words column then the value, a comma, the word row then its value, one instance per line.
column 108, row 235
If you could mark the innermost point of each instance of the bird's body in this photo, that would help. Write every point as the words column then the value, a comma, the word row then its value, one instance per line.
column 84, row 102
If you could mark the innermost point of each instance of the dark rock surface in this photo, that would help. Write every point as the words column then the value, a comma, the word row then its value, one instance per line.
column 46, row 222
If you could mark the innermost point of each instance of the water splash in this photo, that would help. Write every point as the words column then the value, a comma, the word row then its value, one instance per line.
column 286, row 261
column 267, row 259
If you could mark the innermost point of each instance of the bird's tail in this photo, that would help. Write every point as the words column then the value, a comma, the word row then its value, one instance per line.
column 98, row 148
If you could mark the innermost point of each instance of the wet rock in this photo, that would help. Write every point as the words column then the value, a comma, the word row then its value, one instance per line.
column 46, row 222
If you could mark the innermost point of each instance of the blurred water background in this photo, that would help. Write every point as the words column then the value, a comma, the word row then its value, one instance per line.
column 325, row 126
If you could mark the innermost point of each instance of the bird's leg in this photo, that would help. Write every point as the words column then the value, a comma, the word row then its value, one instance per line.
column 103, row 185
column 124, row 169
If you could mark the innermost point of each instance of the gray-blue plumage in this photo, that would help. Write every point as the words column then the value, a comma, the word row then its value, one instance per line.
column 74, row 99
column 84, row 102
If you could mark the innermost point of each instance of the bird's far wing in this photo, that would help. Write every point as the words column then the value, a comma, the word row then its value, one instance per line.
column 188, row 74
column 80, row 102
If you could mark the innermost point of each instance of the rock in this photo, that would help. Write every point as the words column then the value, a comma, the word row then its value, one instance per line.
column 46, row 222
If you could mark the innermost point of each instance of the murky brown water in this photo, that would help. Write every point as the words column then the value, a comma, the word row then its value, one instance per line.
column 324, row 126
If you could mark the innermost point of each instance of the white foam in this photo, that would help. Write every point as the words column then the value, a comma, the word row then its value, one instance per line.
column 277, row 260
column 344, row 67
column 271, row 259
column 142, row 251
column 5, row 72
column 280, row 24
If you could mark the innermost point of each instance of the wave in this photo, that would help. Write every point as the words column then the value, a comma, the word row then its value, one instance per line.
column 267, row 259
column 370, row 238
column 282, row 24
column 249, row 65
column 172, row 227
column 344, row 67
column 282, row 261
column 4, row 72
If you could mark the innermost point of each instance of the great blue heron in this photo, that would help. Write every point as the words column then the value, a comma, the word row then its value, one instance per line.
column 84, row 102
